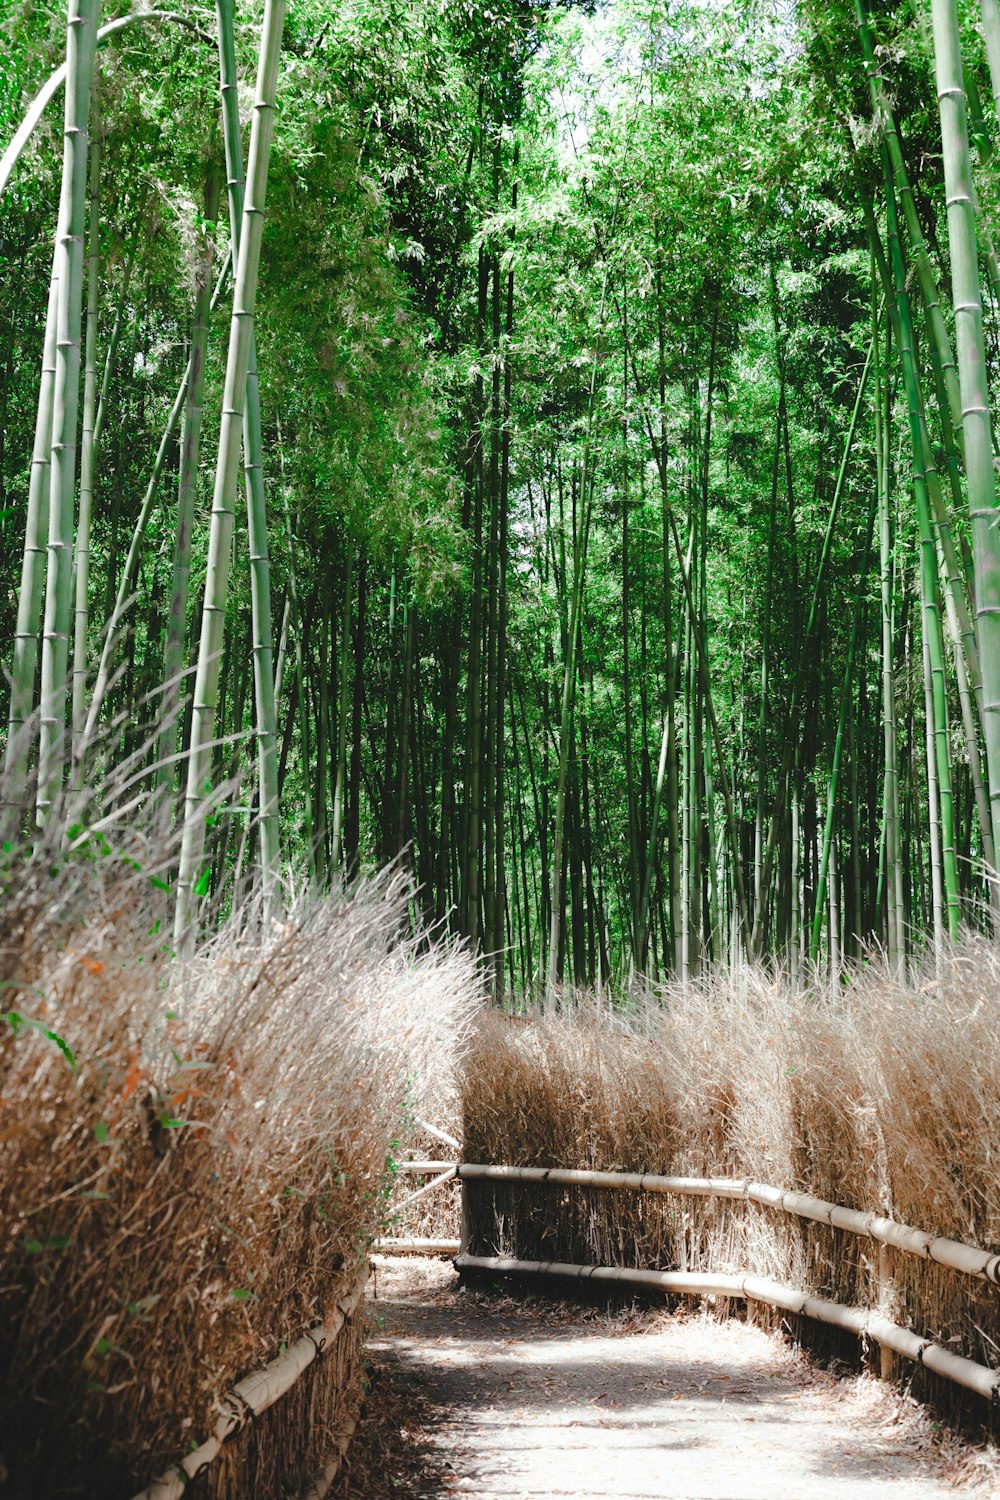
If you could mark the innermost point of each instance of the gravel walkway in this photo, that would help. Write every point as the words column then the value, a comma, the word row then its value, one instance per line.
column 484, row 1396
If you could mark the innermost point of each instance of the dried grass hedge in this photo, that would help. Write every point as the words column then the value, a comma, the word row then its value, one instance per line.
column 192, row 1163
column 883, row 1099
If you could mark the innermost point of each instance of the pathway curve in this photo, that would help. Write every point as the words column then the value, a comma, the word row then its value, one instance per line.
column 503, row 1400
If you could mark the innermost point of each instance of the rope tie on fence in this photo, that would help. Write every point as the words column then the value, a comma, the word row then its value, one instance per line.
column 243, row 1412
column 318, row 1343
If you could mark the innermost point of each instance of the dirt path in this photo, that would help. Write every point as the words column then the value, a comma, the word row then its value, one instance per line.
column 502, row 1400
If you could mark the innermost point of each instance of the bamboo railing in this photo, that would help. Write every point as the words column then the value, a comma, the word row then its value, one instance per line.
column 968, row 1260
column 411, row 1244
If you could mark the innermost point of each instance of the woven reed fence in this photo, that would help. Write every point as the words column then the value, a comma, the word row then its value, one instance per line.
column 283, row 1429
column 707, row 1237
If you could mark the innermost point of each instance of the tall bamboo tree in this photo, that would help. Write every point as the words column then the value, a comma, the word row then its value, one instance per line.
column 241, row 343
column 81, row 45
column 972, row 374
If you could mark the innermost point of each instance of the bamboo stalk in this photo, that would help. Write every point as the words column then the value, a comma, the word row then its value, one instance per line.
column 973, row 375
column 122, row 600
column 254, row 1394
column 81, row 43
column 857, row 1320
column 31, row 592
column 88, row 452
column 253, row 467
column 241, row 343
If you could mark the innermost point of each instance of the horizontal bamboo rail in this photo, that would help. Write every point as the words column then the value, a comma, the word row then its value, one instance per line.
column 646, row 1182
column 860, row 1321
column 254, row 1394
column 969, row 1260
column 416, row 1245
column 422, row 1168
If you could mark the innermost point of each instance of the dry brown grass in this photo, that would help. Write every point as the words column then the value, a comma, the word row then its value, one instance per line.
column 192, row 1157
column 883, row 1099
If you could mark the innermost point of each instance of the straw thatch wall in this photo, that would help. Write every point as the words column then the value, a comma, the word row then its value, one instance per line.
column 192, row 1166
column 886, row 1101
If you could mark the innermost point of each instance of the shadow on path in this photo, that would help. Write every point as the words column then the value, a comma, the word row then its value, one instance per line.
column 479, row 1395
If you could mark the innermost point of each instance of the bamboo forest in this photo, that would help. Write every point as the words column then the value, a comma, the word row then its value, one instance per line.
column 500, row 627
column 612, row 395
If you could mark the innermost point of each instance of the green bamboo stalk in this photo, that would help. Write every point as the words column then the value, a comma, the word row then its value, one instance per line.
column 253, row 464
column 701, row 655
column 664, row 785
column 281, row 661
column 990, row 12
column 581, row 535
column 964, row 650
column 846, row 691
column 187, row 486
column 112, row 349
column 889, row 853
column 224, row 499
column 765, row 651
column 834, row 921
column 580, row 540
column 30, row 594
column 791, row 717
column 88, row 446
column 300, row 676
column 941, row 348
column 637, row 924
column 687, row 809
column 705, row 741
column 960, row 620
column 972, row 370
column 937, row 728
column 343, row 707
column 979, row 136
column 103, row 675
column 81, row 43
column 795, row 917
column 934, row 804
column 670, row 524
column 953, row 575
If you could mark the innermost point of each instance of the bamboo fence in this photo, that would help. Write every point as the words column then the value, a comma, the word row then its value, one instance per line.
column 254, row 1394
column 969, row 1260
column 864, row 1323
